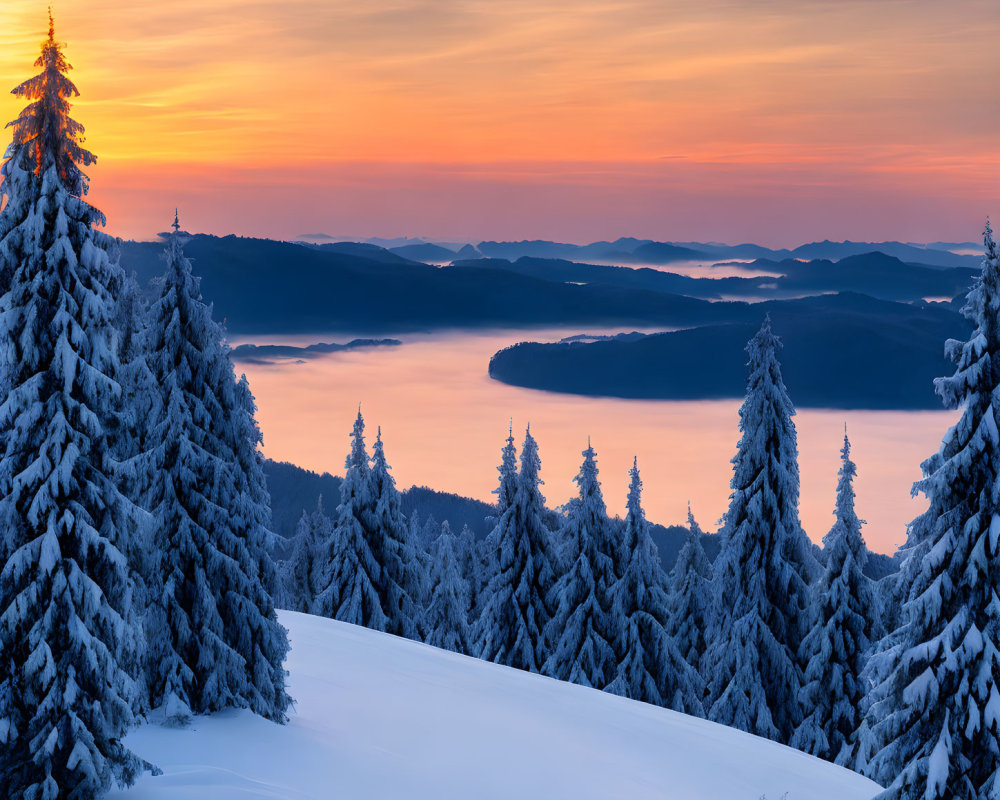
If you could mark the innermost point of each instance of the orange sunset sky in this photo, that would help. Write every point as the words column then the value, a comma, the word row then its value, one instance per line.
column 766, row 120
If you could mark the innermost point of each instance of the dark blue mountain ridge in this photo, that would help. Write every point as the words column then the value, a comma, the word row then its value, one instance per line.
column 628, row 250
column 427, row 252
column 876, row 274
column 262, row 286
column 840, row 351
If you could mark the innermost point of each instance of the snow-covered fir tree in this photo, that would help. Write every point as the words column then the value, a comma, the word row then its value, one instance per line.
column 468, row 552
column 446, row 618
column 837, row 647
column 487, row 550
column 69, row 635
column 510, row 629
column 214, row 638
column 582, row 633
column 401, row 575
column 254, row 499
column 301, row 573
column 132, row 439
column 941, row 732
column 689, row 600
column 762, row 599
column 651, row 666
column 352, row 573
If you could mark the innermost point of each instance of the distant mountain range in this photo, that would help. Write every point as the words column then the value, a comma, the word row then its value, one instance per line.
column 629, row 250
column 875, row 274
column 261, row 286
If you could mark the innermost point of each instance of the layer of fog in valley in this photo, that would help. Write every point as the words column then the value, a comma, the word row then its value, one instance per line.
column 444, row 422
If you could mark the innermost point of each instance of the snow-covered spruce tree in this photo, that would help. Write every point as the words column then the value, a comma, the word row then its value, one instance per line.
column 69, row 636
column 214, row 638
column 762, row 601
column 582, row 633
column 651, row 666
column 301, row 572
column 352, row 574
column 837, row 647
column 689, row 600
column 254, row 498
column 446, row 618
column 402, row 579
column 132, row 438
column 467, row 551
column 510, row 629
column 878, row 675
column 489, row 548
column 941, row 734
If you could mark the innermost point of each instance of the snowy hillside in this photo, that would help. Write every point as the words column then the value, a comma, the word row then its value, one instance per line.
column 382, row 717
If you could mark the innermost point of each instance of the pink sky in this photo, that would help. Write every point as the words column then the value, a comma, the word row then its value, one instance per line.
column 773, row 121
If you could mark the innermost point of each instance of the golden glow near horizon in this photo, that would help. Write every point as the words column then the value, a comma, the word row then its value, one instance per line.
column 639, row 110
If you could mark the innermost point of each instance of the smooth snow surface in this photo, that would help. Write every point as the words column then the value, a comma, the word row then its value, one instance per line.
column 381, row 717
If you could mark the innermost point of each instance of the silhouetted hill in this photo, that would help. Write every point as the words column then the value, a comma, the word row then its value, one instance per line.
column 647, row 278
column 369, row 252
column 269, row 353
column 905, row 252
column 841, row 351
column 428, row 253
column 665, row 253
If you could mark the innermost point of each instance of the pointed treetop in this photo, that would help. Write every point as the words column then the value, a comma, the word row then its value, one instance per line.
column 634, row 489
column 358, row 456
column 991, row 245
column 44, row 134
column 530, row 462
column 176, row 225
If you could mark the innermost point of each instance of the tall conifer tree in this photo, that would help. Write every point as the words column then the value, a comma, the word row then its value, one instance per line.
column 941, row 730
column 836, row 649
column 761, row 593
column 402, row 578
column 446, row 618
column 301, row 572
column 650, row 665
column 353, row 574
column 515, row 610
column 69, row 638
column 581, row 634
column 690, row 596
column 214, row 638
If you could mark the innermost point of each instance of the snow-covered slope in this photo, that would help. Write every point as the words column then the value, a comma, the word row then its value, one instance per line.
column 382, row 717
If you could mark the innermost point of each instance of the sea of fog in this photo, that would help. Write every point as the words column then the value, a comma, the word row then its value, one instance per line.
column 444, row 422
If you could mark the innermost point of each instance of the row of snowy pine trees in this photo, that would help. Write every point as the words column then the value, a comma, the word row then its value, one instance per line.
column 896, row 679
column 136, row 573
column 766, row 631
